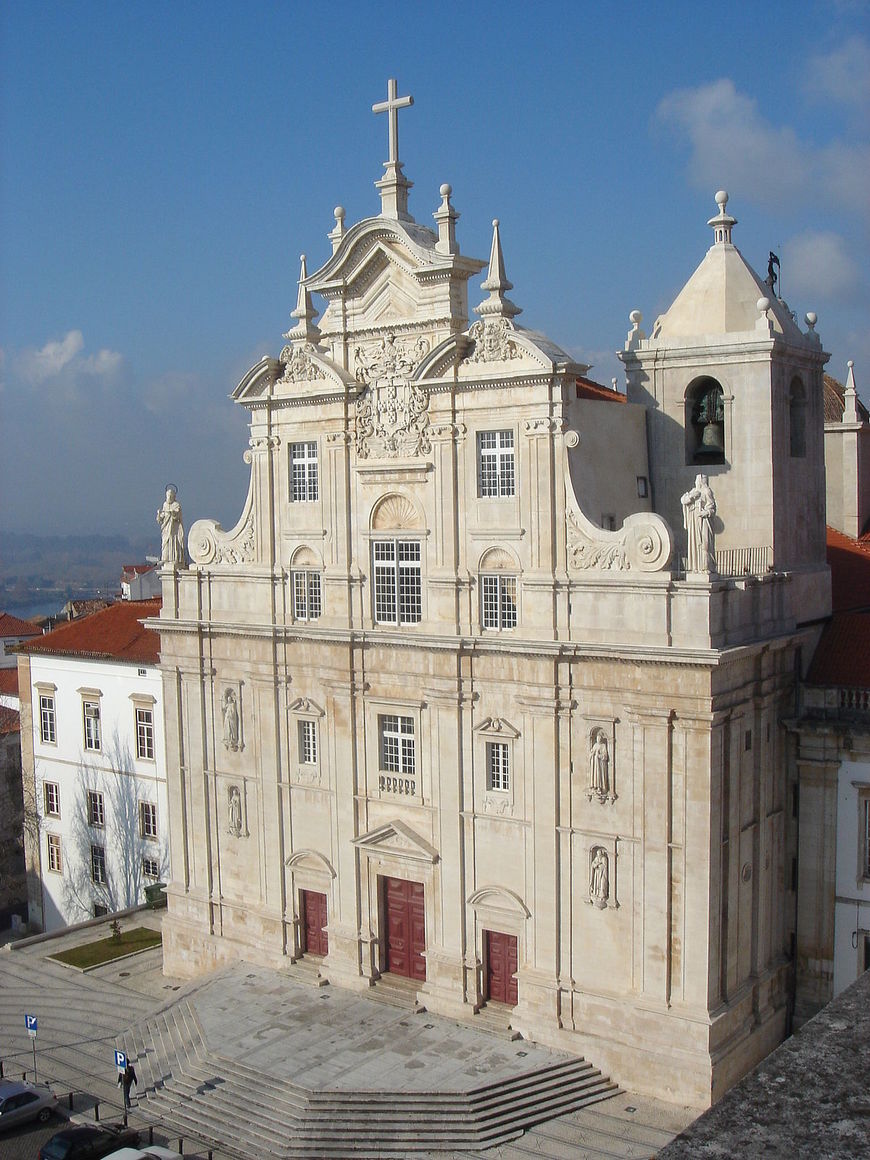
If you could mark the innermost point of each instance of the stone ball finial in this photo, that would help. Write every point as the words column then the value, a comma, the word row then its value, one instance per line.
column 446, row 190
column 635, row 317
column 811, row 319
column 763, row 305
column 721, row 199
column 301, row 257
column 495, row 223
column 338, row 213
column 850, row 364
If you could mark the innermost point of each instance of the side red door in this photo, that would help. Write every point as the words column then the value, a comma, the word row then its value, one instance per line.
column 316, row 940
column 404, row 911
column 500, row 967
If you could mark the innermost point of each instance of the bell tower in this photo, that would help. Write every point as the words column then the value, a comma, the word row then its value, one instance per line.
column 733, row 390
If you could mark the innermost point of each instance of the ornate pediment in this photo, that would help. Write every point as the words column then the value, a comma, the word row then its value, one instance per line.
column 497, row 727
column 396, row 840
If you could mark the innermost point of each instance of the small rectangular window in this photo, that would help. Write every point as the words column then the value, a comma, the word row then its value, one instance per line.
column 98, row 865
column 145, row 734
column 147, row 820
column 306, row 595
column 495, row 464
column 93, row 740
column 498, row 773
column 498, row 601
column 47, row 722
column 303, row 472
column 55, row 858
column 51, row 791
column 96, row 808
column 308, row 742
column 397, row 744
column 150, row 868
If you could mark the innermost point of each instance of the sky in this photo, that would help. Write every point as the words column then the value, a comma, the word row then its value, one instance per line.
column 163, row 165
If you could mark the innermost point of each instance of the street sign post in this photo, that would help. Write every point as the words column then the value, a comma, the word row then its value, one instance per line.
column 32, row 1025
column 121, row 1060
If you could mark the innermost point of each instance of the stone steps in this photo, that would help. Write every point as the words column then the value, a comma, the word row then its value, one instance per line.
column 193, row 1091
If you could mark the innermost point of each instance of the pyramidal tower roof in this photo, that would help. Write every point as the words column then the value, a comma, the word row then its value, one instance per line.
column 724, row 294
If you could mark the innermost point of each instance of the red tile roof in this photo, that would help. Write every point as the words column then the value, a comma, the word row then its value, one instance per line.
column 589, row 389
column 843, row 655
column 114, row 634
column 13, row 626
column 10, row 721
column 849, row 561
column 9, row 681
column 136, row 569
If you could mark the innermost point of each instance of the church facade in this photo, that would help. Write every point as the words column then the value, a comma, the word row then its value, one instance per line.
column 485, row 689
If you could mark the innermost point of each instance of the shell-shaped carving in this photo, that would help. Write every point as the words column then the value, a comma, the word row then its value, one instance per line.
column 497, row 560
column 305, row 557
column 395, row 511
column 648, row 542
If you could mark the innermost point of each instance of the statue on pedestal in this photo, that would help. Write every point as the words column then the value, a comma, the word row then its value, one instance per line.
column 171, row 530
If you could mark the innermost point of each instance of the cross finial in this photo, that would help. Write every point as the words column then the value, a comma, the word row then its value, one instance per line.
column 391, row 107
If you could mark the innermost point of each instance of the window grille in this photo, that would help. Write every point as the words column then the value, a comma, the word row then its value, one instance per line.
column 47, row 722
column 397, row 744
column 398, row 592
column 98, row 865
column 303, row 472
column 96, row 808
column 498, row 774
column 306, row 595
column 147, row 820
column 92, row 726
column 308, row 742
column 499, row 601
column 145, row 734
column 51, row 791
column 55, row 858
column 150, row 868
column 495, row 464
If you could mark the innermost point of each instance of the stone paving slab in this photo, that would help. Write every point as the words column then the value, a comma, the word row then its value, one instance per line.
column 326, row 1038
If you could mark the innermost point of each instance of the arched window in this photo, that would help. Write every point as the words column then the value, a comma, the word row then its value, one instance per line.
column 498, row 590
column 797, row 419
column 705, row 422
column 306, row 585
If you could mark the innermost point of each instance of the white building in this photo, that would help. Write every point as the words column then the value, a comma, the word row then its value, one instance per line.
column 461, row 701
column 94, row 770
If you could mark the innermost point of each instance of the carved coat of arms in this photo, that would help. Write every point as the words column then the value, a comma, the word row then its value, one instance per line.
column 392, row 416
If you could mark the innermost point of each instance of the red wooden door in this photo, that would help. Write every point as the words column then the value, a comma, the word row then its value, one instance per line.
column 406, row 927
column 315, row 938
column 501, row 964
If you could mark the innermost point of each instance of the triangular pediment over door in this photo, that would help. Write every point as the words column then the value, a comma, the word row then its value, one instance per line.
column 395, row 839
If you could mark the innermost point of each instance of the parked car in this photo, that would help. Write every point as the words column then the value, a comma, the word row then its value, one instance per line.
column 86, row 1142
column 149, row 1152
column 20, row 1102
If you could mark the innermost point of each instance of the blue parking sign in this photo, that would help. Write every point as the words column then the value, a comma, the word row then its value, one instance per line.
column 30, row 1022
column 120, row 1060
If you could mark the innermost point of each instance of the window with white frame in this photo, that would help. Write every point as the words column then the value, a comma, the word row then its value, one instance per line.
column 864, row 832
column 145, row 734
column 93, row 738
column 303, row 472
column 496, row 476
column 51, row 795
column 307, row 600
column 308, row 742
column 498, row 769
column 96, row 808
column 498, row 601
column 55, row 856
column 150, row 868
column 47, row 720
column 396, row 735
column 147, row 820
column 398, row 593
column 98, row 865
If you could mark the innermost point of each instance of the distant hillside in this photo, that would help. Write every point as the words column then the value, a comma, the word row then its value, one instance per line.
column 34, row 566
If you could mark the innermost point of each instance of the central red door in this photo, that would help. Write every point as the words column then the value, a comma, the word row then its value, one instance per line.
column 501, row 966
column 315, row 939
column 406, row 927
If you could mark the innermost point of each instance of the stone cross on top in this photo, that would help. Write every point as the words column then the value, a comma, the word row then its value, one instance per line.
column 391, row 107
column 394, row 185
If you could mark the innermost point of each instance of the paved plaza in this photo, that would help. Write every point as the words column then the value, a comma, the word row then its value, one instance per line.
column 319, row 1037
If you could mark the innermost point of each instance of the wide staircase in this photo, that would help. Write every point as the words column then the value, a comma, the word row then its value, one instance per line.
column 193, row 1091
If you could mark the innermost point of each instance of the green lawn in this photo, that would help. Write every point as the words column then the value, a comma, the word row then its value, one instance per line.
column 106, row 949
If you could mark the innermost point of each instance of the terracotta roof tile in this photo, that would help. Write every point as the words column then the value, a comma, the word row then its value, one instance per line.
column 10, row 721
column 589, row 389
column 843, row 655
column 13, row 626
column 849, row 562
column 9, row 681
column 112, row 634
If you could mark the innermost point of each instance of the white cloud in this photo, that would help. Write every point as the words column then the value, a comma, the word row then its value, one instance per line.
column 818, row 267
column 843, row 75
column 734, row 147
column 61, row 364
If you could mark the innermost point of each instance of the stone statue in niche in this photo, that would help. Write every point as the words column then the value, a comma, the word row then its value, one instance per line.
column 230, row 711
column 599, row 878
column 234, row 811
column 699, row 508
column 599, row 768
column 171, row 530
